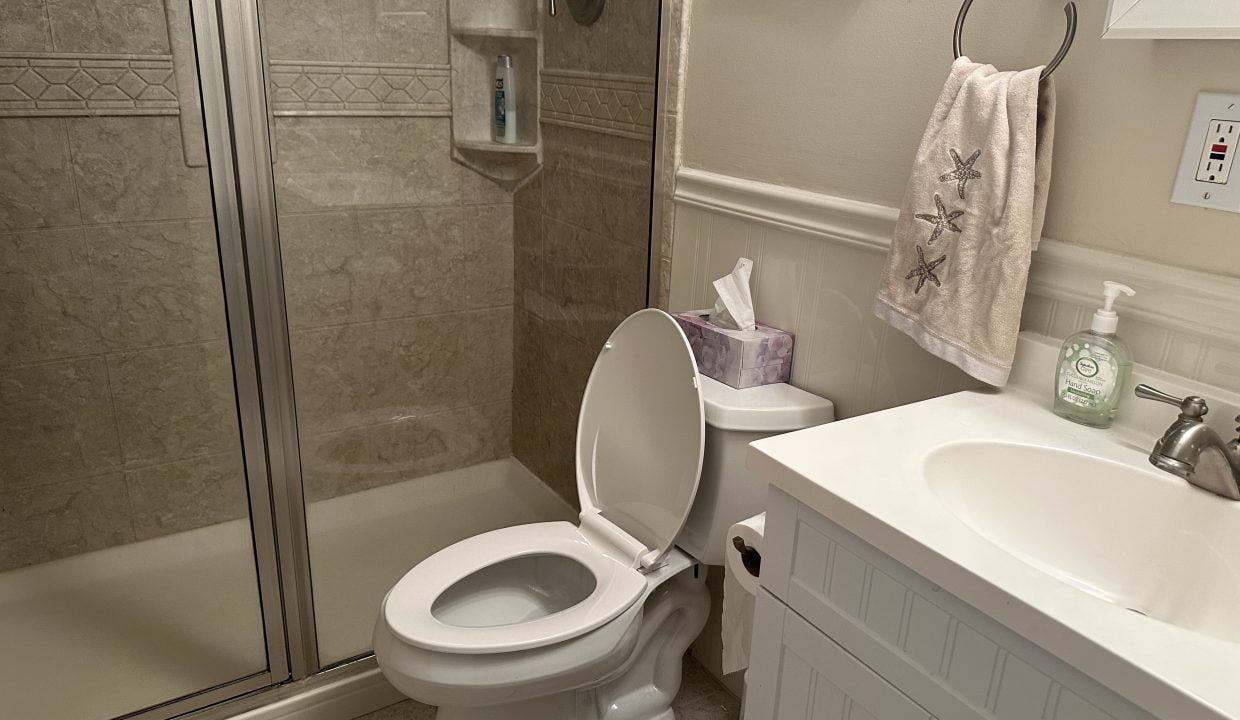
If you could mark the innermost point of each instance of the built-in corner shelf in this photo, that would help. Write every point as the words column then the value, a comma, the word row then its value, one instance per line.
column 490, row 146
column 482, row 30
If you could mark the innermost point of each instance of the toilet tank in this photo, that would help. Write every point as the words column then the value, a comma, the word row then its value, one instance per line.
column 728, row 493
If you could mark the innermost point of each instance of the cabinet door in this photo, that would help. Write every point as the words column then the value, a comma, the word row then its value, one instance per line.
column 798, row 673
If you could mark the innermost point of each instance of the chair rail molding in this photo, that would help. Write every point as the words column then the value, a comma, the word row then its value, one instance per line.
column 1181, row 321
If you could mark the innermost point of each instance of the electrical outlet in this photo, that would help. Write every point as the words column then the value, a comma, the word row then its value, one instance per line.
column 1206, row 177
column 1219, row 151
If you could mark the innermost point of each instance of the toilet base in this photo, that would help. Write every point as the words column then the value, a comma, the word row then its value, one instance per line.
column 644, row 686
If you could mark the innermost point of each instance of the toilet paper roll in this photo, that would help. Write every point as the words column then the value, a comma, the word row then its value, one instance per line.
column 740, row 586
column 750, row 532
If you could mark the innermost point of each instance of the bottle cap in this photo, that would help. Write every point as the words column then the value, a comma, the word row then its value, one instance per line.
column 1106, row 320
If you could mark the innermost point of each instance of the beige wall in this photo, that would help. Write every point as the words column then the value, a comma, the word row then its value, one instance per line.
column 833, row 97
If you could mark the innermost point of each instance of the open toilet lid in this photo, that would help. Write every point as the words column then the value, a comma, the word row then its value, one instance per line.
column 641, row 430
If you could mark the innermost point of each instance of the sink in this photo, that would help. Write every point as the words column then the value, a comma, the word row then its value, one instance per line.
column 1130, row 535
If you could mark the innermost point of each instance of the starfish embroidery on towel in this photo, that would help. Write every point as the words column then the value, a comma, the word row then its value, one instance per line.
column 924, row 271
column 964, row 171
column 943, row 221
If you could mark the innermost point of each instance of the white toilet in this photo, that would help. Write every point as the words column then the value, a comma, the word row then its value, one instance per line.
column 553, row 621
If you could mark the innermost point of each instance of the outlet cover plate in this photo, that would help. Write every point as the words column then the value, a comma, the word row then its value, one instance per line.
column 1212, row 108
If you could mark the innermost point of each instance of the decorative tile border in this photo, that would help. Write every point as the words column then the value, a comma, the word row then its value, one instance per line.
column 616, row 104
column 51, row 85
column 326, row 89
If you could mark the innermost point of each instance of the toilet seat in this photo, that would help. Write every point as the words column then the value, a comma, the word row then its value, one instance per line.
column 410, row 606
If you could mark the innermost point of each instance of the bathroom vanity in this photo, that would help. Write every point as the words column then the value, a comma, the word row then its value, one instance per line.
column 976, row 557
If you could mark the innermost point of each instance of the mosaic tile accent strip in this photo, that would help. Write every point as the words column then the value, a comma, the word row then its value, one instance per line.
column 616, row 104
column 315, row 88
column 52, row 85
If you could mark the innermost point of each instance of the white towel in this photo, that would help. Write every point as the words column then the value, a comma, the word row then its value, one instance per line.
column 956, row 274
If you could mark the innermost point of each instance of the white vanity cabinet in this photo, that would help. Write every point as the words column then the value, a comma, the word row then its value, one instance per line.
column 844, row 632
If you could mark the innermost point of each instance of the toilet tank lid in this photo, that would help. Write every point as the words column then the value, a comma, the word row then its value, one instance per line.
column 767, row 408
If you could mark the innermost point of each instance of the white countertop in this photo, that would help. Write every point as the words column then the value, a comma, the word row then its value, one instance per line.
column 865, row 474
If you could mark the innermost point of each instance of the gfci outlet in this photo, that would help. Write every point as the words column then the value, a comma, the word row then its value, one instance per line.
column 1208, row 176
column 1218, row 151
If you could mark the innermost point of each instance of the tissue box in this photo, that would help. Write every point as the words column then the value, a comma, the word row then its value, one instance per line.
column 740, row 358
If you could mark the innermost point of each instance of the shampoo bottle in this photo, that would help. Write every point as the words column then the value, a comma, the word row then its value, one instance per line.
column 505, row 101
column 1094, row 367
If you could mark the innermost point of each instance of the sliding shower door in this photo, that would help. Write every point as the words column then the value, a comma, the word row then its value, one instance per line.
column 131, row 462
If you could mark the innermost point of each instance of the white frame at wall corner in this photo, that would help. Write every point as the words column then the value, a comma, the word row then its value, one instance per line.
column 1188, row 300
column 1172, row 19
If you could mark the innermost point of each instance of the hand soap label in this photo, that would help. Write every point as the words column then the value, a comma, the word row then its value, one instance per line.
column 1087, row 376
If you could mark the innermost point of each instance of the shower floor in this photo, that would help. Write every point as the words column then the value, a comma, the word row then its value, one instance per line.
column 103, row 633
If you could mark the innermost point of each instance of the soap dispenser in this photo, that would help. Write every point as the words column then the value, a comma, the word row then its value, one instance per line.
column 1094, row 367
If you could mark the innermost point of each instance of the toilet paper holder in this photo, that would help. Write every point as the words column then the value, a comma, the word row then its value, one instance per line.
column 750, row 557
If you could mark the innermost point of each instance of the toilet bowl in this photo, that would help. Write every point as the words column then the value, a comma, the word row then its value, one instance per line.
column 555, row 621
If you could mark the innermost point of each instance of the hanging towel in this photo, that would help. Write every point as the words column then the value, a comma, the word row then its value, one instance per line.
column 956, row 274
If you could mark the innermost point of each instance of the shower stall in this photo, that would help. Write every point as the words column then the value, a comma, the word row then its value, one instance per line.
column 278, row 320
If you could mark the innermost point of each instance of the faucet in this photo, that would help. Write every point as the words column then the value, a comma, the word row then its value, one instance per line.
column 1193, row 450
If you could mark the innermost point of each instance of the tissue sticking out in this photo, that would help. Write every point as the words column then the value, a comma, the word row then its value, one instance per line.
column 734, row 309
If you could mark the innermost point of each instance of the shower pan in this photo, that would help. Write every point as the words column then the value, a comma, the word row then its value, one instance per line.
column 266, row 343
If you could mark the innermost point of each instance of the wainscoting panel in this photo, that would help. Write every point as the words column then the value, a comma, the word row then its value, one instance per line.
column 818, row 259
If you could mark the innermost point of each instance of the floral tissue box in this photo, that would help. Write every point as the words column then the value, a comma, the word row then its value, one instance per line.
column 740, row 358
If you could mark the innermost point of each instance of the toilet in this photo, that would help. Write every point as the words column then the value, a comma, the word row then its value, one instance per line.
column 556, row 621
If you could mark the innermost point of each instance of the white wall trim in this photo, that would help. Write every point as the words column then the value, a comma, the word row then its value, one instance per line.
column 1170, row 297
column 343, row 699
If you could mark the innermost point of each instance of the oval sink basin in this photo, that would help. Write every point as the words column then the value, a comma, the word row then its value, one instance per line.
column 1133, row 536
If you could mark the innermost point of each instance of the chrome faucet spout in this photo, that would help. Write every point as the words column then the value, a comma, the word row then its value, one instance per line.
column 1193, row 450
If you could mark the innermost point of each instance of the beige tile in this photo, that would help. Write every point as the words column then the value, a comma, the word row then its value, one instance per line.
column 109, row 26
column 435, row 443
column 373, row 373
column 303, row 29
column 187, row 494
column 157, row 284
column 175, row 402
column 338, row 163
column 340, row 463
column 407, row 710
column 330, row 276
column 36, row 177
column 395, row 31
column 527, row 250
column 55, row 521
column 130, row 169
column 550, row 374
column 24, row 27
column 530, row 196
column 396, row 263
column 56, row 421
column 599, row 182
column 46, row 297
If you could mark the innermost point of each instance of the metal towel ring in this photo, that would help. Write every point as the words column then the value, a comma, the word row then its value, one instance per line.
column 1069, row 10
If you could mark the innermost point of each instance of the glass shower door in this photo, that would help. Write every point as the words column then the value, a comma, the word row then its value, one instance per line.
column 129, row 568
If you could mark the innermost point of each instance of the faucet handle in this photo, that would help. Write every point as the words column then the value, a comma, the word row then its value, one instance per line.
column 1191, row 407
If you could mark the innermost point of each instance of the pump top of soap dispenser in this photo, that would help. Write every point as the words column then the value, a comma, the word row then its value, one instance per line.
column 1106, row 320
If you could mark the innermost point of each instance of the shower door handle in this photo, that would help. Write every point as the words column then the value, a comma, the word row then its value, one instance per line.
column 551, row 8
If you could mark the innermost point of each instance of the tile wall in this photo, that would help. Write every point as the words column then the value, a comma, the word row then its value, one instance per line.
column 398, row 262
column 116, row 395
column 582, row 227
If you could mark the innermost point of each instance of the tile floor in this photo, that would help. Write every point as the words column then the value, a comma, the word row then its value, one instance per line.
column 701, row 698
